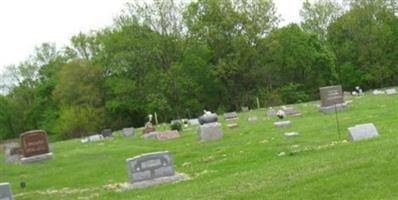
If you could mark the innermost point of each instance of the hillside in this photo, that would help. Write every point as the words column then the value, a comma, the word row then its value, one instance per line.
column 244, row 164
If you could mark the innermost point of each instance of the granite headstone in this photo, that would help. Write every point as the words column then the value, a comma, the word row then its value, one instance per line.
column 280, row 124
column 332, row 98
column 35, row 146
column 106, row 133
column 150, row 166
column 5, row 191
column 210, row 131
column 362, row 131
column 391, row 91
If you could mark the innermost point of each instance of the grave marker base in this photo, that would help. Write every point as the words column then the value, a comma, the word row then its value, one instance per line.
column 47, row 156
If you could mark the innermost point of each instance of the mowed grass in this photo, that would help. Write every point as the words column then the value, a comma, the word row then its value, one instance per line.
column 244, row 164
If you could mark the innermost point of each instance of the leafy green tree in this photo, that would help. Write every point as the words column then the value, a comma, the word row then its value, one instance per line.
column 365, row 44
column 317, row 15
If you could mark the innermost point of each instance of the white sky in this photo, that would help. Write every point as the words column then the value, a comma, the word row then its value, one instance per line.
column 25, row 24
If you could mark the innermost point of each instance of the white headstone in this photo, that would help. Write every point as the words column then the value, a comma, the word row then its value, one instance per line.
column 282, row 124
column 291, row 134
column 391, row 91
column 362, row 131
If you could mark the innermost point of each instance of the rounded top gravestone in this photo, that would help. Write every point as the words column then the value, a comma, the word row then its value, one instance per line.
column 34, row 143
column 208, row 118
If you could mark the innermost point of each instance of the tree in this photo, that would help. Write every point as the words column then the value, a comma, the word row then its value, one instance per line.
column 365, row 43
column 318, row 15
column 78, row 92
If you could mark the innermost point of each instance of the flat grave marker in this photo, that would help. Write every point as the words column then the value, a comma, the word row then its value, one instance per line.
column 362, row 131
column 5, row 191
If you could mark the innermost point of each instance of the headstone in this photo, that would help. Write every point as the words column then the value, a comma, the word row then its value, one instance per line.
column 193, row 122
column 252, row 118
column 35, row 146
column 107, row 133
column 150, row 166
column 245, row 109
column 281, row 124
column 208, row 118
column 5, row 191
column 128, row 131
column 378, row 92
column 362, row 131
column 12, row 152
column 291, row 111
column 271, row 113
column 210, row 131
column 175, row 121
column 94, row 138
column 291, row 134
column 230, row 116
column 232, row 126
column 391, row 91
column 162, row 135
column 332, row 98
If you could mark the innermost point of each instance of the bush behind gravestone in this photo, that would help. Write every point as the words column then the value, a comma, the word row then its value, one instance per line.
column 78, row 121
column 176, row 126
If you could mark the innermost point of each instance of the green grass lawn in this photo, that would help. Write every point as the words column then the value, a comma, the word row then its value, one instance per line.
column 244, row 164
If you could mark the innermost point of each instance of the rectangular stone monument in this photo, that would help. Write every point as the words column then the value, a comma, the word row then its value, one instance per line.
column 281, row 124
column 252, row 118
column 12, row 152
column 391, row 91
column 92, row 138
column 194, row 122
column 150, row 166
column 230, row 116
column 162, row 135
column 332, row 98
column 35, row 146
column 210, row 131
column 128, row 131
column 5, row 191
column 106, row 133
column 362, row 131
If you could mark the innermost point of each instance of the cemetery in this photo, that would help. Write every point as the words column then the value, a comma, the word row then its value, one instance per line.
column 195, row 162
column 199, row 100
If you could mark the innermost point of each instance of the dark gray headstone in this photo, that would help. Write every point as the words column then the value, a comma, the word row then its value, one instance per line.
column 210, row 131
column 362, row 131
column 331, row 95
column 106, row 133
column 5, row 191
column 150, row 166
column 128, row 132
column 230, row 115
column 208, row 118
column 332, row 98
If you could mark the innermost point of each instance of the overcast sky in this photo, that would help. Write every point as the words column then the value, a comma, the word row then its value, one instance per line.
column 25, row 24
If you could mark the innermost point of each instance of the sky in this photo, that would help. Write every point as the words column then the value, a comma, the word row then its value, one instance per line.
column 25, row 24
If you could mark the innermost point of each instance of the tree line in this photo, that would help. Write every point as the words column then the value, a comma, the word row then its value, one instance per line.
column 177, row 59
